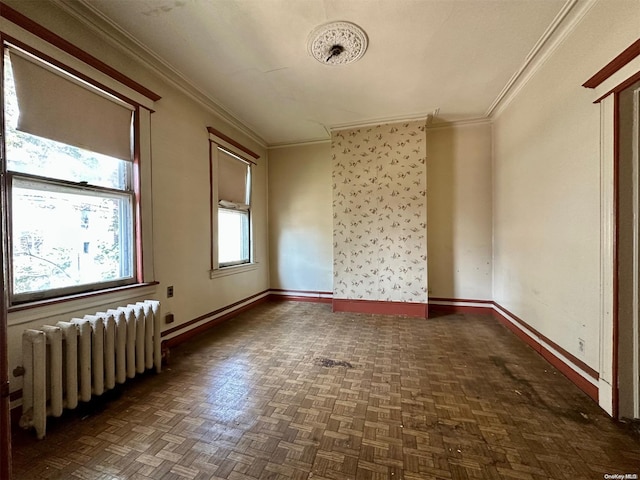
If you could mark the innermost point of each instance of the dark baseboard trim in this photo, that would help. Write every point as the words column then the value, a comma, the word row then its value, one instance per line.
column 583, row 376
column 571, row 367
column 375, row 307
column 444, row 306
column 300, row 295
column 212, row 314
column 295, row 298
column 220, row 315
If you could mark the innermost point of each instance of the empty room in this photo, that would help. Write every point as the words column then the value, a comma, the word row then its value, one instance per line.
column 320, row 239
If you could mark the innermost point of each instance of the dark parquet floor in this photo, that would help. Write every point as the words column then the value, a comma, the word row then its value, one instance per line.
column 290, row 390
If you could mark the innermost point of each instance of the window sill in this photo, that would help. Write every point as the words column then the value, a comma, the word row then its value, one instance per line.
column 83, row 302
column 232, row 270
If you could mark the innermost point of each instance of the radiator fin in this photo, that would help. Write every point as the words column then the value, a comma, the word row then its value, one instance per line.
column 73, row 361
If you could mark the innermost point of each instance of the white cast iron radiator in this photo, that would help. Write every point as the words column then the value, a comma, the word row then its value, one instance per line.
column 74, row 360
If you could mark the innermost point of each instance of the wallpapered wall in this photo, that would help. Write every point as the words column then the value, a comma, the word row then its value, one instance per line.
column 379, row 213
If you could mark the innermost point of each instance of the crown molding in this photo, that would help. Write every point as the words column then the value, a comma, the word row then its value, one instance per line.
column 304, row 143
column 110, row 32
column 429, row 126
column 562, row 25
column 460, row 123
column 380, row 121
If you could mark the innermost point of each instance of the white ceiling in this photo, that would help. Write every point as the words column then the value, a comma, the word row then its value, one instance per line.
column 250, row 57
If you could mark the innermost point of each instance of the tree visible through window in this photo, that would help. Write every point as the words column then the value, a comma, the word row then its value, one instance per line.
column 71, row 208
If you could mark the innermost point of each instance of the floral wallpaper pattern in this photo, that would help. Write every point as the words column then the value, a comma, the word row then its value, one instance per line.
column 380, row 213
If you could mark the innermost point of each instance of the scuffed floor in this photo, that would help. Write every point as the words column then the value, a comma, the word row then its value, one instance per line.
column 292, row 390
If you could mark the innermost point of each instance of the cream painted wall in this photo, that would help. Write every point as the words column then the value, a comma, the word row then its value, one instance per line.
column 300, row 222
column 459, row 210
column 546, row 181
column 180, row 181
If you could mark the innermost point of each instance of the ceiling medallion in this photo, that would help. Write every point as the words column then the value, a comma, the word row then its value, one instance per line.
column 337, row 43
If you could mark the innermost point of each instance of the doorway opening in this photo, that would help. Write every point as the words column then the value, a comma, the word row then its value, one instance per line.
column 628, row 341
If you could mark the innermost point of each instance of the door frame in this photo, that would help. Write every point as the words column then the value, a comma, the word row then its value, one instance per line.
column 628, row 351
column 616, row 76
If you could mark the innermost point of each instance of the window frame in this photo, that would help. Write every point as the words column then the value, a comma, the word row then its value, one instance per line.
column 217, row 142
column 75, row 186
column 70, row 187
column 55, row 51
column 236, row 263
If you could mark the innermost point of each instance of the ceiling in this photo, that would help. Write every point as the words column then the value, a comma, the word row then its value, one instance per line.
column 449, row 57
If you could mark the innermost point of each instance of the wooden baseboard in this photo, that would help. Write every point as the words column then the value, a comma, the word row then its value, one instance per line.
column 278, row 294
column 583, row 376
column 573, row 368
column 296, row 298
column 219, row 316
column 444, row 306
column 418, row 310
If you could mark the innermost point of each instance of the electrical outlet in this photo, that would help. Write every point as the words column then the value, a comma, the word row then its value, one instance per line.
column 170, row 291
column 168, row 318
column 581, row 345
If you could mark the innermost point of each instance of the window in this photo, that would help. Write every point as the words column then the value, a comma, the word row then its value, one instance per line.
column 234, row 211
column 233, row 236
column 231, row 203
column 69, row 170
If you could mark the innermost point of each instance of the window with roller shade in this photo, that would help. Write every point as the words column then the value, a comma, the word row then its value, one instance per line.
column 230, row 169
column 234, row 211
column 69, row 170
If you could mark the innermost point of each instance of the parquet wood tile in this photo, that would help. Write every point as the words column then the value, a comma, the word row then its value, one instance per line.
column 290, row 390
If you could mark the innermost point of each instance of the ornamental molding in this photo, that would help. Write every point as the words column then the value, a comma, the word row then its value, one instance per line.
column 337, row 43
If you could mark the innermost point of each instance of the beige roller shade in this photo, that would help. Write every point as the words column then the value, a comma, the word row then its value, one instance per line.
column 233, row 178
column 55, row 106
